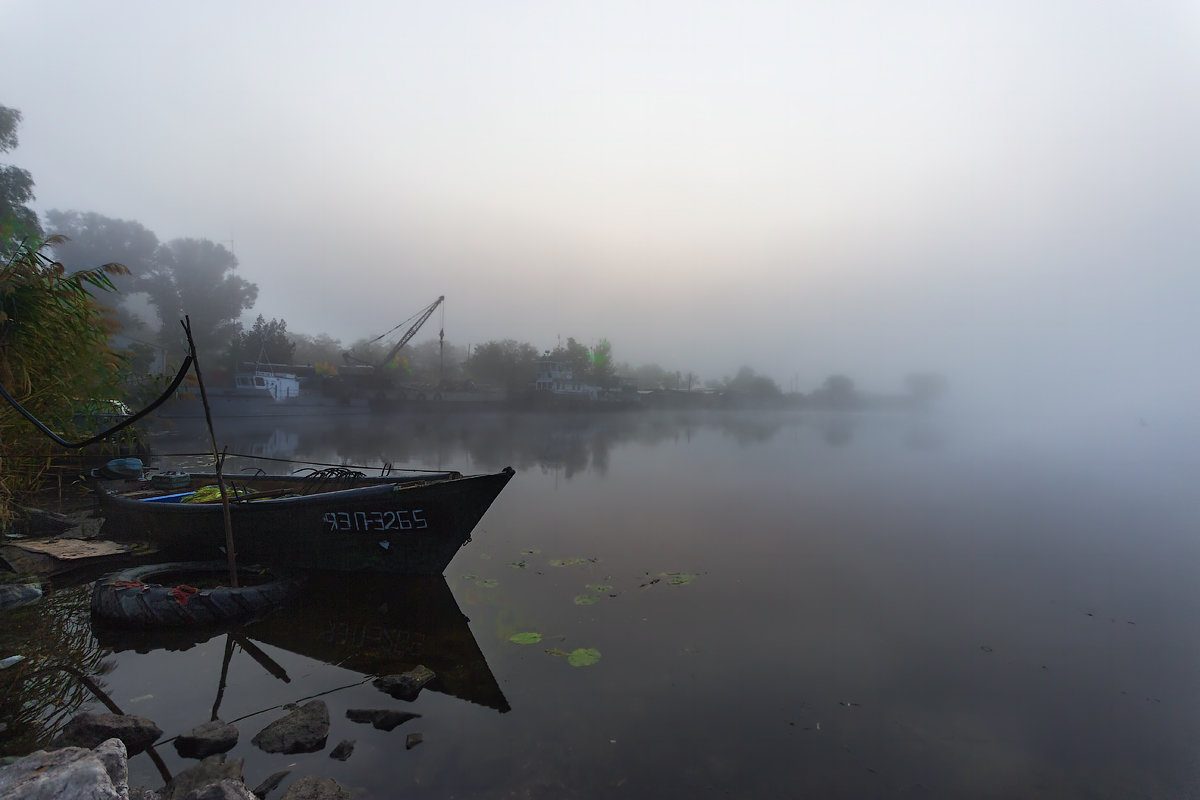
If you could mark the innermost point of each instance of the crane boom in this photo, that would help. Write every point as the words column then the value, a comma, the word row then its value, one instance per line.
column 425, row 314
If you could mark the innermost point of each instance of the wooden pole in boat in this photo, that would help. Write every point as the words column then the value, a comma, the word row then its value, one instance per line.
column 218, row 458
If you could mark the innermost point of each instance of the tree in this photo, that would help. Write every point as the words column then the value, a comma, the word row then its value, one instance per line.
column 322, row 351
column 603, row 371
column 18, row 221
column 749, row 383
column 837, row 392
column 195, row 277
column 93, row 239
column 54, row 356
column 507, row 363
column 924, row 389
column 265, row 342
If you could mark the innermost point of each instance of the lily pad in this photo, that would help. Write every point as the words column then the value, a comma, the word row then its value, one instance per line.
column 585, row 599
column 583, row 657
column 567, row 562
column 487, row 583
column 518, row 564
column 554, row 651
column 470, row 576
column 681, row 578
column 529, row 637
column 599, row 588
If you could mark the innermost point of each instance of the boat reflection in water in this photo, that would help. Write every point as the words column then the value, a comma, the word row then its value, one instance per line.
column 368, row 623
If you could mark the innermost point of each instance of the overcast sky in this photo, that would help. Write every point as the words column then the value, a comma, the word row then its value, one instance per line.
column 1006, row 192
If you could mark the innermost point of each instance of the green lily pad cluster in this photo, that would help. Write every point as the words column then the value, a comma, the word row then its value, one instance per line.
column 527, row 637
column 672, row 578
column 482, row 583
column 568, row 562
column 597, row 590
column 579, row 657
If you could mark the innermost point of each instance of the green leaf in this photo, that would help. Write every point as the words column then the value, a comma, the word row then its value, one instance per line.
column 585, row 599
column 599, row 588
column 528, row 637
column 681, row 578
column 554, row 651
column 583, row 657
column 566, row 562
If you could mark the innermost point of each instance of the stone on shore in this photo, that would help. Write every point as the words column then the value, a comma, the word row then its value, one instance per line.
column 302, row 731
column 315, row 788
column 224, row 789
column 213, row 769
column 207, row 739
column 15, row 595
column 268, row 785
column 406, row 685
column 89, row 730
column 71, row 773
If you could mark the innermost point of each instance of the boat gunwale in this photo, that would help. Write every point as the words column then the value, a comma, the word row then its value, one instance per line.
column 375, row 485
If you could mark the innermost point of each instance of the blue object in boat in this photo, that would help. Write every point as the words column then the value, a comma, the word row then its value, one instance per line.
column 123, row 468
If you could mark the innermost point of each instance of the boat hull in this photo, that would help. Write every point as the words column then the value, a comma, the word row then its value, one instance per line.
column 412, row 527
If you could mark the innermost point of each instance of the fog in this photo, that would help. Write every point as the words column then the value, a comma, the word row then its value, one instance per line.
column 1002, row 193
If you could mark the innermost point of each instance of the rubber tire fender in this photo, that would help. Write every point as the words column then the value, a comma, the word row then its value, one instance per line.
column 131, row 599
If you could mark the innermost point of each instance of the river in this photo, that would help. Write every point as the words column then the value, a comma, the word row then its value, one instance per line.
column 726, row 605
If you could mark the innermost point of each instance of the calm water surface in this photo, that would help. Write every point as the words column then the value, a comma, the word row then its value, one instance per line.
column 783, row 606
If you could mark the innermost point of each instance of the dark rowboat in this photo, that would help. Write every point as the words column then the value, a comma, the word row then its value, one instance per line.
column 412, row 523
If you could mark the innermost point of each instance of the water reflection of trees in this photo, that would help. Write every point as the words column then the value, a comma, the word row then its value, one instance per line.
column 569, row 443
column 60, row 671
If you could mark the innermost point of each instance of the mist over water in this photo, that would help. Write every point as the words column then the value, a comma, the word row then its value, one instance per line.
column 871, row 605
column 992, row 599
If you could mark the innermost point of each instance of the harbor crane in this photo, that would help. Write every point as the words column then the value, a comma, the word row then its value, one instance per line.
column 421, row 317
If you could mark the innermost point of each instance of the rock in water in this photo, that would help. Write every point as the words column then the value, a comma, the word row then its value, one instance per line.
column 207, row 739
column 89, row 730
column 270, row 783
column 343, row 750
column 302, row 731
column 382, row 719
column 406, row 685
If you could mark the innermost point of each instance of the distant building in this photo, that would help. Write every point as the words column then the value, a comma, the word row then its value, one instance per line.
column 556, row 378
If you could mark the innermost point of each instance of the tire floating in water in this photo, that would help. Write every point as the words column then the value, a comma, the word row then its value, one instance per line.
column 163, row 595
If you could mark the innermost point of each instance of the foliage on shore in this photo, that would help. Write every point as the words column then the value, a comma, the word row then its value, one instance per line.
column 54, row 359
